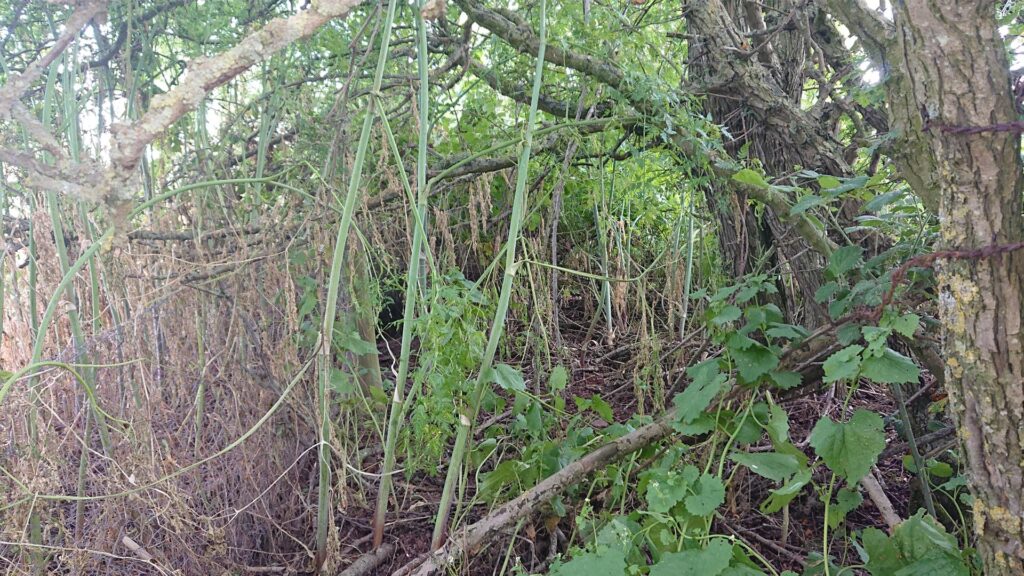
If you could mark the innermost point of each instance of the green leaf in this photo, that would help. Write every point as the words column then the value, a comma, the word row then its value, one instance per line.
column 752, row 358
column 827, row 182
column 748, row 176
column 341, row 383
column 881, row 201
column 849, row 449
column 890, row 368
column 710, row 561
column 727, row 314
column 558, row 379
column 785, row 380
column 906, row 324
column 707, row 383
column 597, row 404
column 806, row 203
column 847, row 500
column 843, row 365
column 919, row 546
column 708, row 494
column 778, row 498
column 665, row 491
column 771, row 465
column 778, row 424
column 610, row 562
column 786, row 331
column 508, row 378
column 844, row 259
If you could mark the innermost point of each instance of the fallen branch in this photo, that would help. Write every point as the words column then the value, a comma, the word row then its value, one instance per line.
column 367, row 562
column 471, row 538
column 881, row 501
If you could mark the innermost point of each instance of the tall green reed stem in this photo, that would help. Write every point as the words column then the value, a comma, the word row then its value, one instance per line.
column 398, row 400
column 324, row 359
column 497, row 329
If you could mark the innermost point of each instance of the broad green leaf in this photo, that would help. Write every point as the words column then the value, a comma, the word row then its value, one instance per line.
column 665, row 491
column 786, row 331
column 752, row 358
column 597, row 404
column 778, row 424
column 890, row 368
column 844, row 259
column 727, row 314
column 508, row 378
column 708, row 494
column 778, row 498
column 707, row 383
column 710, row 561
column 771, row 465
column 843, row 365
column 748, row 176
column 882, row 200
column 849, row 449
column 828, row 182
column 919, row 546
column 906, row 324
column 785, row 379
column 604, row 563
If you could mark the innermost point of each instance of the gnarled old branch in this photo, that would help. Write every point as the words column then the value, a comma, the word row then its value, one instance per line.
column 114, row 184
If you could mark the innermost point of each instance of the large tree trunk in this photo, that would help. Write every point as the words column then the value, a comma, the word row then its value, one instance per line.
column 957, row 75
column 758, row 102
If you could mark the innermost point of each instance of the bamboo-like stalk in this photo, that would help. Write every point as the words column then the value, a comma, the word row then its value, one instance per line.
column 688, row 281
column 398, row 400
column 324, row 507
column 497, row 329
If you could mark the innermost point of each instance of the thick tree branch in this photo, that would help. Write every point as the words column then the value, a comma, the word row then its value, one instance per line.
column 11, row 92
column 872, row 28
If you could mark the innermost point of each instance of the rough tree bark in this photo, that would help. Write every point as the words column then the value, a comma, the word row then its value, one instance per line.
column 950, row 94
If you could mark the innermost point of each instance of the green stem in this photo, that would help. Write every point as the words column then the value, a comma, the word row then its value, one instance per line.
column 497, row 329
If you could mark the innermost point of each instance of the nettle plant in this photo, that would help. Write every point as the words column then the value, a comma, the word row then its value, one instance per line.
column 451, row 343
column 729, row 406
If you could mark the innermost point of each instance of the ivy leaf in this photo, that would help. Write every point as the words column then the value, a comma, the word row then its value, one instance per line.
column 771, row 465
column 508, row 378
column 843, row 365
column 708, row 494
column 749, row 177
column 710, row 561
column 849, row 449
column 890, row 368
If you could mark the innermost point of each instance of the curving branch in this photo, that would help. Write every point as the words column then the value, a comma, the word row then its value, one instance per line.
column 113, row 185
